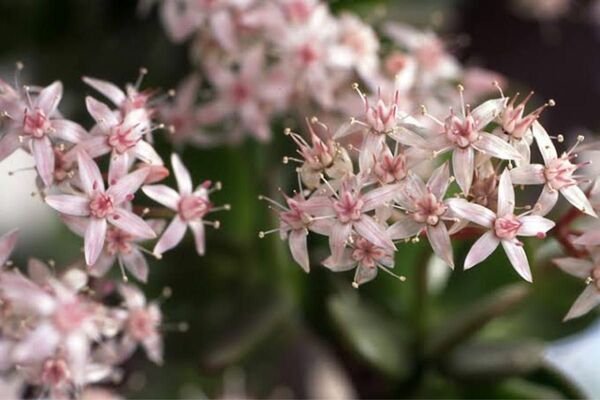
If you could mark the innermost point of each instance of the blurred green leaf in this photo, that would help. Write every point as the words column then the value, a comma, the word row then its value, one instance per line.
column 374, row 338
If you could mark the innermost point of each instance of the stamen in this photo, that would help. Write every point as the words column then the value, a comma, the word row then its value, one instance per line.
column 138, row 82
column 461, row 90
column 268, row 199
column 497, row 85
column 401, row 278
column 262, row 234
column 123, row 274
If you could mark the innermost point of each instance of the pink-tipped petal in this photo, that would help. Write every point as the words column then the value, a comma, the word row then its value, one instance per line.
column 534, row 225
column 103, row 115
column 198, row 231
column 576, row 267
column 297, row 241
column 118, row 167
column 578, row 199
column 506, row 195
column 136, row 264
column 518, row 258
column 546, row 201
column 172, row 236
column 127, row 185
column 162, row 194
column 68, row 131
column 544, row 142
column 43, row 154
column 69, row 204
column 439, row 181
column 182, row 175
column 374, row 232
column 463, row 165
column 8, row 242
column 440, row 242
column 587, row 300
column 404, row 227
column 49, row 98
column 472, row 212
column 89, row 173
column 379, row 196
column 496, row 147
column 482, row 248
column 131, row 223
column 94, row 240
column 108, row 89
column 529, row 174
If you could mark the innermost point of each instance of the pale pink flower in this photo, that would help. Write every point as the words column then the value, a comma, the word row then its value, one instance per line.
column 426, row 209
column 240, row 95
column 37, row 125
column 191, row 206
column 589, row 271
column 365, row 257
column 349, row 209
column 120, row 247
column 101, row 206
column 504, row 227
column 464, row 134
column 122, row 137
column 141, row 323
column 296, row 220
column 557, row 175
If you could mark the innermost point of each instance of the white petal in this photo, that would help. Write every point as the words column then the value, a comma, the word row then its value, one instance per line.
column 463, row 165
column 496, row 147
column 534, row 225
column 577, row 267
column 587, row 300
column 94, row 239
column 546, row 201
column 182, row 175
column 440, row 242
column 162, row 194
column 506, row 195
column 518, row 259
column 488, row 111
column 404, row 228
column 578, row 199
column 529, row 174
column 298, row 247
column 472, row 212
column 172, row 236
column 482, row 248
column 544, row 142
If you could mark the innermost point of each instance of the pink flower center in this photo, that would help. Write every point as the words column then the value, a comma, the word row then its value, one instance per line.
column 429, row 210
column 55, row 372
column 367, row 254
column 390, row 169
column 36, row 124
column 320, row 155
column 121, row 140
column 118, row 241
column 507, row 227
column 462, row 132
column 298, row 10
column 193, row 207
column 69, row 316
column 382, row 117
column 141, row 324
column 559, row 173
column 295, row 217
column 308, row 54
column 348, row 207
column 240, row 92
column 101, row 205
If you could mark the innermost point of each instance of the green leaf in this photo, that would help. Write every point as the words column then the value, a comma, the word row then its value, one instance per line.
column 372, row 336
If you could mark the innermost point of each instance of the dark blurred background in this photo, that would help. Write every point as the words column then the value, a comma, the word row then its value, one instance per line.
column 254, row 316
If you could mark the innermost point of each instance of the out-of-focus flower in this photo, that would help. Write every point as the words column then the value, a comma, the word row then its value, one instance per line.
column 589, row 271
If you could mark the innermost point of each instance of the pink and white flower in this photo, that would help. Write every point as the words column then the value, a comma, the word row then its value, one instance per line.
column 190, row 206
column 557, row 175
column 101, row 206
column 503, row 228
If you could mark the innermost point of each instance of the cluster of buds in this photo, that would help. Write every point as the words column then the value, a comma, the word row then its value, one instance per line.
column 61, row 331
column 62, row 335
column 262, row 59
column 367, row 209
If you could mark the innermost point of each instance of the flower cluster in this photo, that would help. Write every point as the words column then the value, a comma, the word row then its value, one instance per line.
column 264, row 59
column 478, row 156
column 61, row 331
